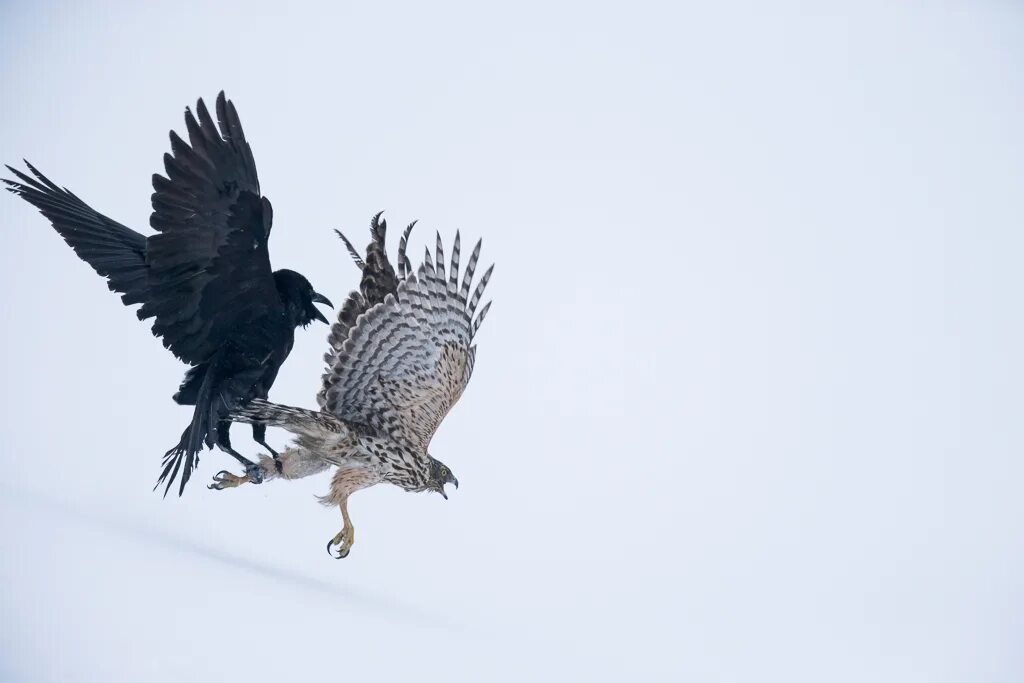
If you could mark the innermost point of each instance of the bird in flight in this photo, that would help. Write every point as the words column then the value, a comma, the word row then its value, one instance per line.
column 204, row 276
column 399, row 357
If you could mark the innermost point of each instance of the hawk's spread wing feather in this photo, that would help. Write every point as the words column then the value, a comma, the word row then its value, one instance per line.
column 407, row 360
column 209, row 269
column 377, row 281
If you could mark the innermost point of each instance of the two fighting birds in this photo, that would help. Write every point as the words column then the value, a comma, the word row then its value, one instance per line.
column 399, row 354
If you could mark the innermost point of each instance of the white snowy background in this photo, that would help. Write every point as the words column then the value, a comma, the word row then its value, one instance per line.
column 748, row 406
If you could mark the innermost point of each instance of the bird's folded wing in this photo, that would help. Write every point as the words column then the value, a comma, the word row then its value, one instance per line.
column 116, row 252
column 408, row 359
column 209, row 269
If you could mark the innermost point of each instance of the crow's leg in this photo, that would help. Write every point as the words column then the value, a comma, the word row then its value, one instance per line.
column 253, row 471
column 294, row 463
column 259, row 435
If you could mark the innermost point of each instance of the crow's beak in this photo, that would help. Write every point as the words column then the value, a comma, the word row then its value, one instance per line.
column 317, row 315
column 321, row 299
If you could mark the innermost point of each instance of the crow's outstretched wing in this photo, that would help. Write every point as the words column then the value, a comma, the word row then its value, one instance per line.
column 209, row 269
column 114, row 251
column 407, row 360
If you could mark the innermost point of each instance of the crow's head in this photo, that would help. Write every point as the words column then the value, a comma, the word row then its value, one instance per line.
column 299, row 297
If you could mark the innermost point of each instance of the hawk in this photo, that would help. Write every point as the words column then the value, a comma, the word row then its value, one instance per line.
column 204, row 276
column 400, row 356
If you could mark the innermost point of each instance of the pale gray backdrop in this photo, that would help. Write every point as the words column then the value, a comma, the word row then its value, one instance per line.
column 747, row 407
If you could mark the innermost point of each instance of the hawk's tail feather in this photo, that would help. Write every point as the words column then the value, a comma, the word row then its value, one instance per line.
column 262, row 412
column 299, row 421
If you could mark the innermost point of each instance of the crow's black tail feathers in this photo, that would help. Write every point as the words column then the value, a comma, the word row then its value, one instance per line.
column 173, row 460
column 202, row 430
column 213, row 399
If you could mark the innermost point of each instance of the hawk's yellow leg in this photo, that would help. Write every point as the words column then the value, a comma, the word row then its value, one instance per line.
column 346, row 537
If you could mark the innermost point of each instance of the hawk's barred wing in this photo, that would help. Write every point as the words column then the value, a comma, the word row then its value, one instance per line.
column 408, row 359
column 377, row 281
column 209, row 270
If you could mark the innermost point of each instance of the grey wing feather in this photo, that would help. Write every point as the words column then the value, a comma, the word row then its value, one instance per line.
column 408, row 359
column 377, row 281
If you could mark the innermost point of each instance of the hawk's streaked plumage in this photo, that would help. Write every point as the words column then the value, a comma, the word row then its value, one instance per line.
column 400, row 356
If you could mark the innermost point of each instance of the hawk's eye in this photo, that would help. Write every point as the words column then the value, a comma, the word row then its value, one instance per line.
column 444, row 471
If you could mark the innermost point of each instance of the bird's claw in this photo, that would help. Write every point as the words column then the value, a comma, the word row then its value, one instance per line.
column 344, row 541
column 225, row 480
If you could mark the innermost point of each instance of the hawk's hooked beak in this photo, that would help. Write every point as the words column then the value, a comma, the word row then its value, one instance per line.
column 317, row 315
column 440, row 489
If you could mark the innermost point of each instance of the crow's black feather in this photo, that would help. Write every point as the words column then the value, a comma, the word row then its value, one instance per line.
column 204, row 277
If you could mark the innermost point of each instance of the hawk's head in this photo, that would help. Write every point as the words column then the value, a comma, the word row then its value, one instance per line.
column 439, row 476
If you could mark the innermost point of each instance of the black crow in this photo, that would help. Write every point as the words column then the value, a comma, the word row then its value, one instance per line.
column 204, row 277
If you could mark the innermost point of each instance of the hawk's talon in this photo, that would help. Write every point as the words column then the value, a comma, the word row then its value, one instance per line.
column 344, row 541
column 225, row 480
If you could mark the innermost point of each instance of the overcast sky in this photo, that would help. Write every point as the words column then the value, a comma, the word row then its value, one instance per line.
column 747, row 406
